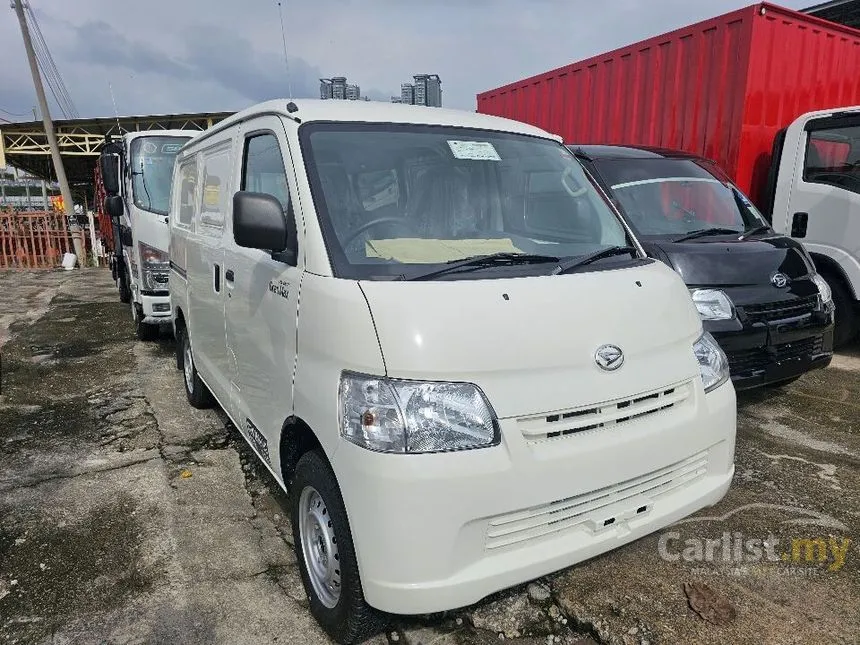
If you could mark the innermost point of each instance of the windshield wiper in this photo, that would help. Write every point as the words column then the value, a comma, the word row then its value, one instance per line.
column 707, row 231
column 482, row 261
column 761, row 228
column 573, row 263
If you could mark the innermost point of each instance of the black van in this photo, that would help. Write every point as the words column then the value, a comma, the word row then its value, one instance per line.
column 757, row 292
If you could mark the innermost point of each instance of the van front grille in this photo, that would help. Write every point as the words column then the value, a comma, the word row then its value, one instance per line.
column 751, row 360
column 602, row 415
column 771, row 311
column 591, row 510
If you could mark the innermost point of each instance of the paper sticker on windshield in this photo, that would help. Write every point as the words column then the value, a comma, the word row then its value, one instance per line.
column 474, row 150
column 170, row 148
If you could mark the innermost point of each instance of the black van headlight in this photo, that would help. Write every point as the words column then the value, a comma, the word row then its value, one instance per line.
column 825, row 293
column 713, row 364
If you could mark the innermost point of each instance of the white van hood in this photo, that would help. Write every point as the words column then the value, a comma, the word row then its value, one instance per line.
column 529, row 343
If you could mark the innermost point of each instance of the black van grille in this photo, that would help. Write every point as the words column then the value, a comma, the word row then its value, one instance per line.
column 771, row 311
column 756, row 359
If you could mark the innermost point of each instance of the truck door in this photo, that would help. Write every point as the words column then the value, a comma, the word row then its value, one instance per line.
column 262, row 299
column 824, row 205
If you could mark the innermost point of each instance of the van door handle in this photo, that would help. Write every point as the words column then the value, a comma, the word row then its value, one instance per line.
column 229, row 275
column 798, row 224
column 217, row 277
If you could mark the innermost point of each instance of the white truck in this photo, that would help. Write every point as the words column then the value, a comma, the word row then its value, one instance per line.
column 813, row 195
column 136, row 172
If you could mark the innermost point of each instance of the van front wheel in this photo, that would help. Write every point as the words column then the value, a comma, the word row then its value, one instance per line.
column 326, row 554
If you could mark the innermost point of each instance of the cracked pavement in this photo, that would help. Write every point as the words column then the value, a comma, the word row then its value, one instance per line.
column 126, row 516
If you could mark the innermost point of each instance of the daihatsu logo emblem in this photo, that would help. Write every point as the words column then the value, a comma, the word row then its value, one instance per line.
column 779, row 280
column 609, row 357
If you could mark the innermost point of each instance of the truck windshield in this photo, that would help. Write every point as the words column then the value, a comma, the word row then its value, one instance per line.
column 396, row 199
column 668, row 197
column 152, row 170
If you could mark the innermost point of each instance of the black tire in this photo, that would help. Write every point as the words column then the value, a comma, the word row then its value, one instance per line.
column 845, row 328
column 350, row 619
column 143, row 331
column 196, row 392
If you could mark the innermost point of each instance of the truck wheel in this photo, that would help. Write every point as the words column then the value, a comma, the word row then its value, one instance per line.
column 196, row 392
column 845, row 327
column 143, row 331
column 324, row 548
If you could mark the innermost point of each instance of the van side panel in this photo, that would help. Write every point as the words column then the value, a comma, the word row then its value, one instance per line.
column 335, row 333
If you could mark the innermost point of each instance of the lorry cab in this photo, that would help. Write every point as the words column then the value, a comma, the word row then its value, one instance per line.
column 137, row 171
column 445, row 344
column 813, row 195
column 758, row 292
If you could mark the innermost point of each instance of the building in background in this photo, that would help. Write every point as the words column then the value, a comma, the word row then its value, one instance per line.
column 336, row 87
column 425, row 90
column 845, row 12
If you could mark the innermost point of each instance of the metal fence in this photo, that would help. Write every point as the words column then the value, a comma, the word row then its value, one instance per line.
column 33, row 240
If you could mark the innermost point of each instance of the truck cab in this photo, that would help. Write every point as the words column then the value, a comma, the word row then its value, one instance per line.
column 137, row 172
column 813, row 195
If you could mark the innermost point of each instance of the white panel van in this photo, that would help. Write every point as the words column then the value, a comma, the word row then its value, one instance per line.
column 437, row 333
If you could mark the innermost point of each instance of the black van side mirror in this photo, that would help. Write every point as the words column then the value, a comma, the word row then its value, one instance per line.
column 110, row 173
column 114, row 206
column 259, row 222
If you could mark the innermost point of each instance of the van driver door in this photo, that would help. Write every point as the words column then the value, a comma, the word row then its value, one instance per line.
column 262, row 298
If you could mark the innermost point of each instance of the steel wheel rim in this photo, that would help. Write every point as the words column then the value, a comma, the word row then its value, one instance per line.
column 319, row 547
column 188, row 365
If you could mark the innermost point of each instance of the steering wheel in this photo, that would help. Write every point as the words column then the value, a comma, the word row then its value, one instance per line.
column 573, row 192
column 370, row 224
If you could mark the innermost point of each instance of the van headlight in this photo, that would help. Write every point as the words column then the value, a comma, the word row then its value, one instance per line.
column 823, row 289
column 712, row 304
column 390, row 415
column 713, row 364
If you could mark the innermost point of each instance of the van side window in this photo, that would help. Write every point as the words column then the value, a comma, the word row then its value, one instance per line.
column 187, row 193
column 264, row 168
column 216, row 178
column 833, row 157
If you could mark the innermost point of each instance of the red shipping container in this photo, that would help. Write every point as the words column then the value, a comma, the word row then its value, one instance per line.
column 720, row 88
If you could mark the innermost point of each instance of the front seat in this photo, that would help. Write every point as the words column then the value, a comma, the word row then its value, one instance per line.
column 440, row 205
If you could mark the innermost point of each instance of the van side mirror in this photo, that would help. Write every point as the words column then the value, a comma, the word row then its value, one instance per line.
column 259, row 222
column 110, row 173
column 114, row 206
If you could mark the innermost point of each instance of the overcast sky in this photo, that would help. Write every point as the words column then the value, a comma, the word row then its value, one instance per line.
column 168, row 56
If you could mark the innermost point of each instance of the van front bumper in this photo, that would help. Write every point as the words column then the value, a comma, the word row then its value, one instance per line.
column 441, row 531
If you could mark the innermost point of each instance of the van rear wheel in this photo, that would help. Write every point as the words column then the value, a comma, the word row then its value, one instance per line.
column 196, row 392
column 845, row 327
column 326, row 555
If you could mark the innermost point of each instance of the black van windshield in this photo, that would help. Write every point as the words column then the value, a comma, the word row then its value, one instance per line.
column 398, row 200
column 669, row 197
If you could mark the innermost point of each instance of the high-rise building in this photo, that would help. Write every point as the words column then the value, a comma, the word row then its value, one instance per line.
column 407, row 93
column 353, row 92
column 325, row 88
column 428, row 90
column 338, row 87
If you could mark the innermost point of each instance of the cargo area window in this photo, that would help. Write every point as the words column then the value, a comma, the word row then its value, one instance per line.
column 833, row 157
column 187, row 193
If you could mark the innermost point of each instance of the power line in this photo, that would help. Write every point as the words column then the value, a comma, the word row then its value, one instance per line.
column 49, row 67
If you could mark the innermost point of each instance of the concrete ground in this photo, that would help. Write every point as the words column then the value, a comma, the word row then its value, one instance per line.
column 128, row 517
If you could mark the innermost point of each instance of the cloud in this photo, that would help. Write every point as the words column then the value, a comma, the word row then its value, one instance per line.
column 208, row 55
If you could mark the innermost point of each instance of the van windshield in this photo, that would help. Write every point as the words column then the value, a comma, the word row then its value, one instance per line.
column 396, row 200
column 152, row 171
column 668, row 197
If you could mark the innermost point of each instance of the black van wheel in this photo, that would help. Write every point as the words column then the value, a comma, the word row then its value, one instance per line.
column 845, row 327
column 122, row 285
column 196, row 392
column 324, row 548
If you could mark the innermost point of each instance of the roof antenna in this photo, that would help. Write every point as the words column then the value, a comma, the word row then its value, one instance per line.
column 115, row 111
column 286, row 60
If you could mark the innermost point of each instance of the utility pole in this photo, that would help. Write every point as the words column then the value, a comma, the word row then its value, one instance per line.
column 49, row 129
